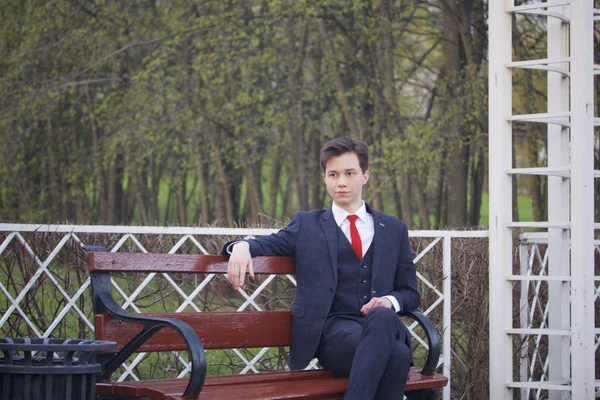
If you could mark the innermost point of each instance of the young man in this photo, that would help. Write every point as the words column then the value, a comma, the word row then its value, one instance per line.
column 354, row 272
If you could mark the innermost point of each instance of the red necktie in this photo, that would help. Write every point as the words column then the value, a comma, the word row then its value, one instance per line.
column 356, row 241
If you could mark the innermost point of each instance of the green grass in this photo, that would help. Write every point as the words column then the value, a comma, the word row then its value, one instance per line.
column 524, row 204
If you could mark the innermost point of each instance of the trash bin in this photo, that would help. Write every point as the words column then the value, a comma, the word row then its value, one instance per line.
column 44, row 369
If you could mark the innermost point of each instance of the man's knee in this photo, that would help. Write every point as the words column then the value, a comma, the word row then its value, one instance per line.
column 382, row 315
column 382, row 322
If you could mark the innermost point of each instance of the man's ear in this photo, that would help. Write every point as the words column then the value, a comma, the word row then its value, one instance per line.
column 366, row 176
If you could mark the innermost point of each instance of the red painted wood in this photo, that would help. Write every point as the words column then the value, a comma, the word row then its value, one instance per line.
column 266, row 377
column 216, row 330
column 416, row 381
column 177, row 386
column 181, row 263
column 310, row 389
column 279, row 385
column 105, row 388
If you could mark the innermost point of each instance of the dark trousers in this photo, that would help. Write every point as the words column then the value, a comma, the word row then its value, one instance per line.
column 371, row 351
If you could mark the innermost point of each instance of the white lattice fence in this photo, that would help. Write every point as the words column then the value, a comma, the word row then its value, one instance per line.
column 44, row 287
column 533, row 315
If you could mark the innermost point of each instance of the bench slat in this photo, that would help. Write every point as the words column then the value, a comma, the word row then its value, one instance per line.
column 142, row 388
column 276, row 385
column 181, row 263
column 310, row 389
column 216, row 330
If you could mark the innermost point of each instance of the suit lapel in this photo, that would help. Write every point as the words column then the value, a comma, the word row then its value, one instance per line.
column 378, row 236
column 330, row 228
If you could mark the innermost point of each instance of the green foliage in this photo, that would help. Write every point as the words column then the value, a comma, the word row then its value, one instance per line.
column 179, row 112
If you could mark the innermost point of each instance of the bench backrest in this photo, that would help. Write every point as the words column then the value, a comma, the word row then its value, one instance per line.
column 217, row 330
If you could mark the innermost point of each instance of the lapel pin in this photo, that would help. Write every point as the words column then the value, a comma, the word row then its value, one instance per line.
column 381, row 224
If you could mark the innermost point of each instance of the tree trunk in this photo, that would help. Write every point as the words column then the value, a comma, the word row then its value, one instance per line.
column 275, row 172
column 421, row 206
column 53, row 203
column 253, row 193
column 204, row 216
column 440, row 209
column 101, row 190
column 337, row 79
column 397, row 198
column 288, row 206
column 136, row 186
column 316, row 175
column 457, row 167
column 110, row 214
column 298, row 155
column 181, row 197
column 225, row 213
column 407, row 198
column 477, row 180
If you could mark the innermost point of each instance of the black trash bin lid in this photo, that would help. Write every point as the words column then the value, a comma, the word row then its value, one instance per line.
column 57, row 345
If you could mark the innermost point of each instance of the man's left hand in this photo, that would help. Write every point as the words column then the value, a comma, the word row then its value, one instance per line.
column 375, row 302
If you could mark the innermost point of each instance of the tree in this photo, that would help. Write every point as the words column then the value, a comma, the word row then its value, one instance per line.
column 214, row 112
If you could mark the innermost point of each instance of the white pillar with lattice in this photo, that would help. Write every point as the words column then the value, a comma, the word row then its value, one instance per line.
column 582, row 198
column 500, row 195
column 558, row 359
column 562, row 316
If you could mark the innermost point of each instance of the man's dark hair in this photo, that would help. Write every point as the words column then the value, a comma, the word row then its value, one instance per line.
column 343, row 145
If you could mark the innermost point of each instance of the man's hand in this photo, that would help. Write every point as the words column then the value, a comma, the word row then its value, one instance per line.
column 239, row 260
column 375, row 302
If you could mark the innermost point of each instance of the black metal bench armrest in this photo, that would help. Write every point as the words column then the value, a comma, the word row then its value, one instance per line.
column 103, row 302
column 433, row 340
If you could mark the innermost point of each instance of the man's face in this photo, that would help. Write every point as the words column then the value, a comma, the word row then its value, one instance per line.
column 344, row 180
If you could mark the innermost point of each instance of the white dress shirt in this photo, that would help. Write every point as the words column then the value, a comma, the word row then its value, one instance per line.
column 366, row 230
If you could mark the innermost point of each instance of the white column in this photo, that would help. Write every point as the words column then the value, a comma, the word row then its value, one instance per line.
column 500, row 199
column 558, row 205
column 582, row 199
column 447, row 349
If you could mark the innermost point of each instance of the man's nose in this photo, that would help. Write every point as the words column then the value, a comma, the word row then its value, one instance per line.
column 342, row 181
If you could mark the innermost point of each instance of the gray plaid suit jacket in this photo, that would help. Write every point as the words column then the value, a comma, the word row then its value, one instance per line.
column 311, row 240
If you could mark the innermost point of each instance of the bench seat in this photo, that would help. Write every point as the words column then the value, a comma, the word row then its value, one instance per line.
column 264, row 386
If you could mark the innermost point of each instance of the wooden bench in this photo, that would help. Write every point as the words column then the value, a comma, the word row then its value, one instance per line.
column 199, row 331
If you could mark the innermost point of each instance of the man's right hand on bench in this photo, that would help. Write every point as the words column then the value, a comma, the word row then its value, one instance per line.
column 239, row 260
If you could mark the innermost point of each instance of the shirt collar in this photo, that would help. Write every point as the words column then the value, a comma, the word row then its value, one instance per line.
column 339, row 214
